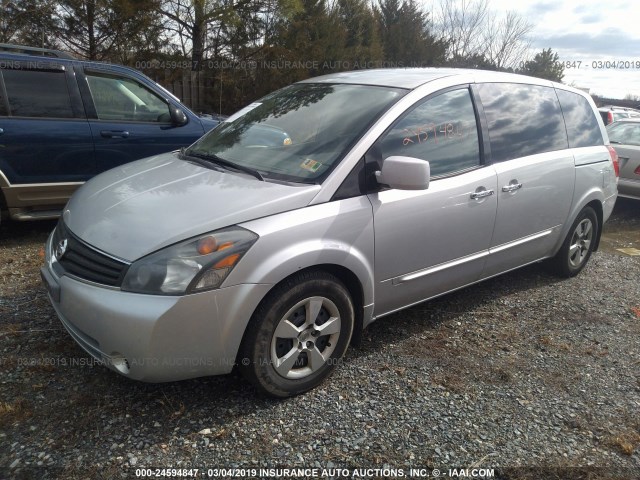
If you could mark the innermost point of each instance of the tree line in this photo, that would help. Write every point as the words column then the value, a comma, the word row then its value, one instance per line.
column 227, row 53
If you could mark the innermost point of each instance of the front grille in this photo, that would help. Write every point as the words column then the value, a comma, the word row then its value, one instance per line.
column 83, row 261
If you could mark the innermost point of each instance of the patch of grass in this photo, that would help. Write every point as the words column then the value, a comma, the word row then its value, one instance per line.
column 451, row 380
column 11, row 329
column 502, row 375
column 550, row 343
column 626, row 442
column 14, row 411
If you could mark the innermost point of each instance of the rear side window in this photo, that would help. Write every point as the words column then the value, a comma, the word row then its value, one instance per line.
column 442, row 130
column 582, row 125
column 523, row 120
column 36, row 93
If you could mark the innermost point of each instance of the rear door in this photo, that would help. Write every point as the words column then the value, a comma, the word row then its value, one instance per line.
column 129, row 120
column 44, row 134
column 431, row 241
column 535, row 172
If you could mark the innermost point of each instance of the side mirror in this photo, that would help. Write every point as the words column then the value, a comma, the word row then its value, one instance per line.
column 178, row 117
column 404, row 173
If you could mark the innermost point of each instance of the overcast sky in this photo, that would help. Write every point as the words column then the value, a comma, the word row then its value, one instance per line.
column 589, row 31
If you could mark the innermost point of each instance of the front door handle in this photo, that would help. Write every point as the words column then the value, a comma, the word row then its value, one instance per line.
column 114, row 133
column 481, row 194
column 512, row 187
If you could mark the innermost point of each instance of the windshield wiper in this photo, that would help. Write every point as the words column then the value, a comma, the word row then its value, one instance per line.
column 212, row 158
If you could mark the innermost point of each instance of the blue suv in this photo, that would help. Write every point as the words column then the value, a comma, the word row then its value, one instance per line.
column 64, row 120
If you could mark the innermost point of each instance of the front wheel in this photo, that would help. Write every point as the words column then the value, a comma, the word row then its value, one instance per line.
column 578, row 245
column 297, row 335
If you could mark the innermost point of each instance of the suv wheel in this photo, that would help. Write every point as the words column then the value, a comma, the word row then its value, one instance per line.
column 297, row 335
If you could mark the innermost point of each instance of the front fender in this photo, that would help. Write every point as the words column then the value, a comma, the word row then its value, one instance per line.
column 334, row 233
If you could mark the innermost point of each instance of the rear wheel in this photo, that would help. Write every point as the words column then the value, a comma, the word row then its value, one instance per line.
column 297, row 335
column 578, row 245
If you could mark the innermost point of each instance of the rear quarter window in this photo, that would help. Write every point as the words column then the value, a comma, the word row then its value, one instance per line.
column 523, row 120
column 582, row 125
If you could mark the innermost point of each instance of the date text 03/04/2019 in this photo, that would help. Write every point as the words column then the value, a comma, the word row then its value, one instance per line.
column 601, row 64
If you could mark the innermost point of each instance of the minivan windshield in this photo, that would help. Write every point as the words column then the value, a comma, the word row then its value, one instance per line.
column 298, row 133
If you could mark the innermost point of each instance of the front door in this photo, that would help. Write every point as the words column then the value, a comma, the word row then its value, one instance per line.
column 132, row 121
column 432, row 241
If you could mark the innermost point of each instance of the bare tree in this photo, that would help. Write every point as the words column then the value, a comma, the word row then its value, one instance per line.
column 461, row 23
column 475, row 32
column 505, row 39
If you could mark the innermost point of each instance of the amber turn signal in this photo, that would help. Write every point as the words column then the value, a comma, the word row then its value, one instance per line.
column 227, row 261
column 207, row 245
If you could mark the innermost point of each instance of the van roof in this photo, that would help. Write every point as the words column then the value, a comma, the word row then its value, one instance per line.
column 411, row 78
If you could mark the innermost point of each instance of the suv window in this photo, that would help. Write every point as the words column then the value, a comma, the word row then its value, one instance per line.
column 120, row 98
column 28, row 98
column 442, row 130
column 523, row 120
column 582, row 126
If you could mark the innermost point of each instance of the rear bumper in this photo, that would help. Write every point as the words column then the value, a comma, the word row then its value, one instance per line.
column 629, row 188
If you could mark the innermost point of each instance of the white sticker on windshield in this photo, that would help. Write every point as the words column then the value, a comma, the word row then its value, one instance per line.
column 242, row 111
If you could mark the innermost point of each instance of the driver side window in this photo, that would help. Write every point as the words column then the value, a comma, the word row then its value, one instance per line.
column 441, row 130
column 123, row 99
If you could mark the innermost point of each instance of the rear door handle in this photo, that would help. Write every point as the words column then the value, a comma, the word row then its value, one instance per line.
column 114, row 133
column 481, row 194
column 512, row 187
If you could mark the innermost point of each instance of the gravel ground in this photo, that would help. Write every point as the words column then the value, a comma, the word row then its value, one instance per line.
column 532, row 376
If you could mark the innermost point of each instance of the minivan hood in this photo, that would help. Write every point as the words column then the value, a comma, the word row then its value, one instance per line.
column 140, row 207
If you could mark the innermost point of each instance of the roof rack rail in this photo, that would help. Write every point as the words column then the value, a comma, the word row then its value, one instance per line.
column 42, row 52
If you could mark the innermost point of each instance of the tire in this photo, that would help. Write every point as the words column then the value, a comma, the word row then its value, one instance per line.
column 284, row 352
column 578, row 245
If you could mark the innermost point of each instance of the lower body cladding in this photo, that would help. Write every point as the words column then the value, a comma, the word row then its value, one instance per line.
column 156, row 338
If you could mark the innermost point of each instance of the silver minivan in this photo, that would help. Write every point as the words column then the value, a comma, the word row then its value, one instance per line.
column 272, row 241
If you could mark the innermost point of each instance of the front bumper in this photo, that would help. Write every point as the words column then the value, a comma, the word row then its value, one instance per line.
column 154, row 338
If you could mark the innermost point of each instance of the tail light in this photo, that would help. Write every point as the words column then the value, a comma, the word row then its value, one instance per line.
column 614, row 160
column 609, row 118
column 637, row 170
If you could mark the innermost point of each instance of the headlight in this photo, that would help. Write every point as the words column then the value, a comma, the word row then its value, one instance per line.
column 191, row 266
